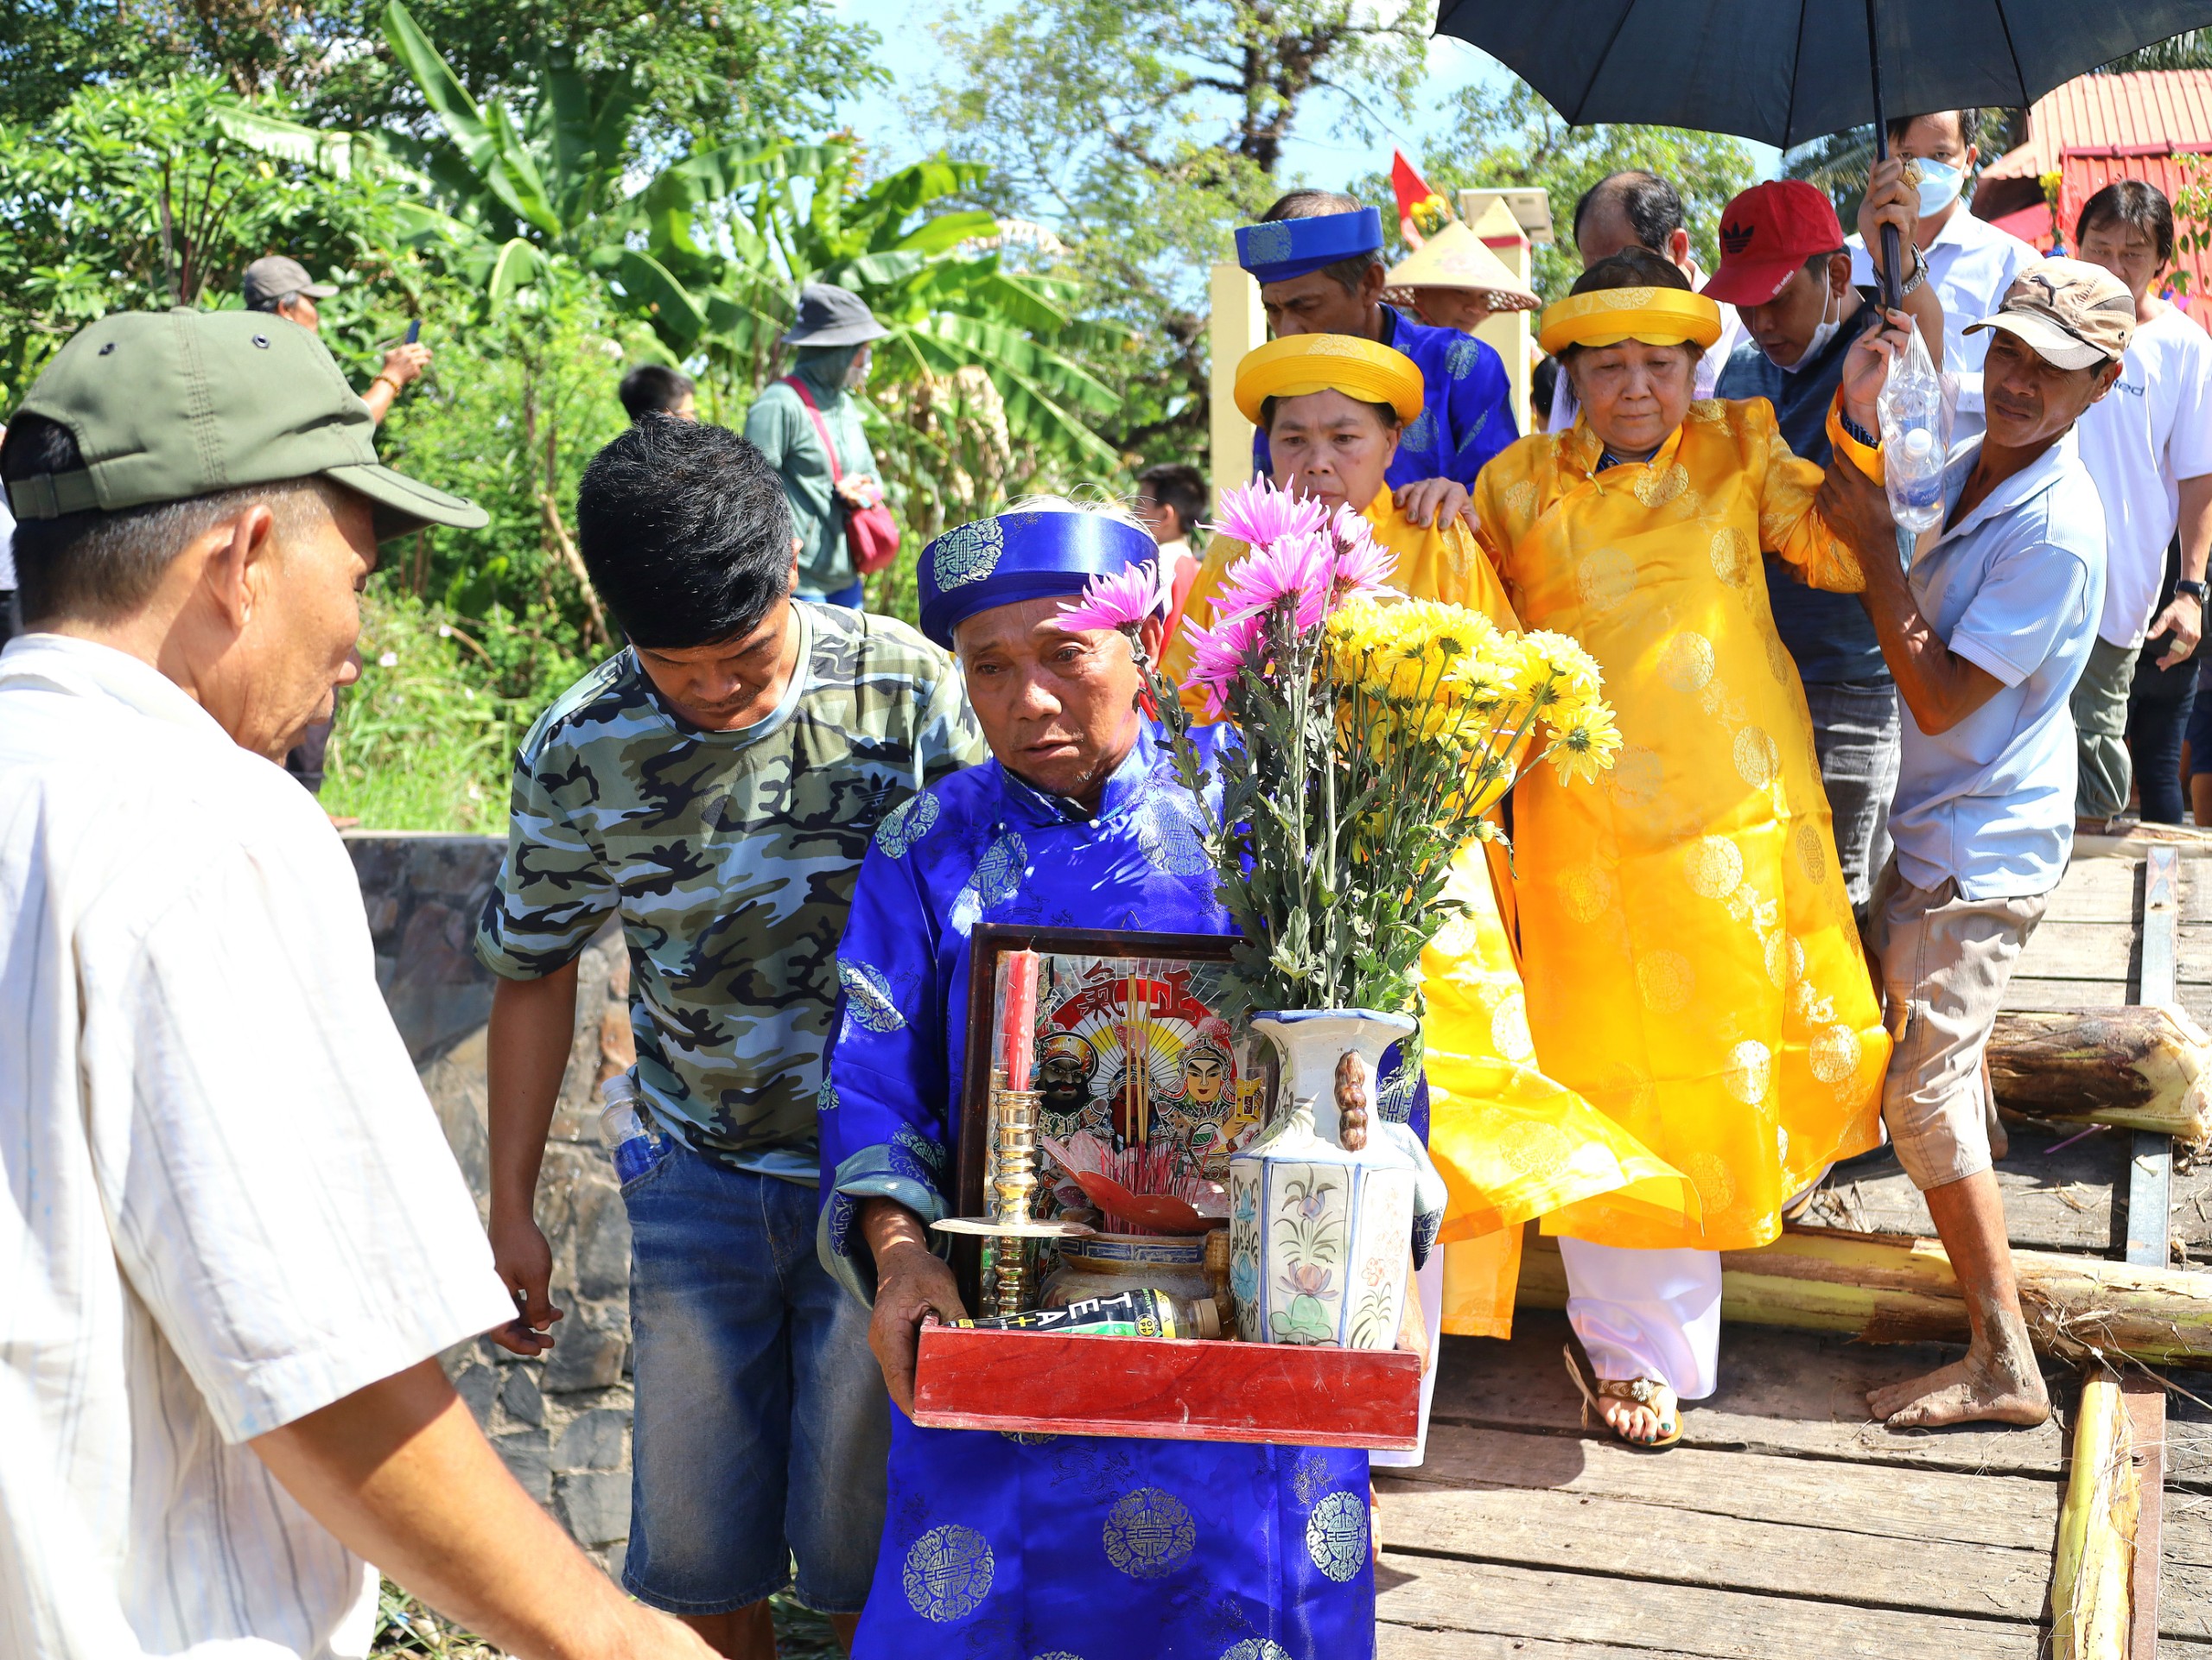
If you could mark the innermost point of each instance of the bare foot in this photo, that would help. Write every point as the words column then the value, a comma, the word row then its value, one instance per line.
column 1982, row 1388
column 1629, row 1420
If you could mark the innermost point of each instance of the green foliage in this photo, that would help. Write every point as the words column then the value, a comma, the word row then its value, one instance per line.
column 143, row 194
column 1513, row 138
column 1144, row 132
column 425, row 738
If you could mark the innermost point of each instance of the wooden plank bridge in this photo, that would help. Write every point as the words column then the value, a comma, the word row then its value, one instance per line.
column 1787, row 1524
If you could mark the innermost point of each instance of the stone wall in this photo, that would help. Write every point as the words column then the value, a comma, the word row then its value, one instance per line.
column 562, row 1423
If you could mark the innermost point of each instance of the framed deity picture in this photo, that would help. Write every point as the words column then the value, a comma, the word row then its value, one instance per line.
column 1129, row 1051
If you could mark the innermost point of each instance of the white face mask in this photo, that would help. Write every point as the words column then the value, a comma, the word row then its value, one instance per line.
column 1939, row 184
column 1821, row 335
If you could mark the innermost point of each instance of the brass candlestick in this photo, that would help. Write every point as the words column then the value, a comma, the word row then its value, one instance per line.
column 1010, row 1188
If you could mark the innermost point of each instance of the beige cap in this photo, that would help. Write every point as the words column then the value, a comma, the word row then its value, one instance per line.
column 2075, row 315
column 1455, row 258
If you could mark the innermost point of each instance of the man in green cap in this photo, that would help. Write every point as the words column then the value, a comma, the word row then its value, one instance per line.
column 240, row 1241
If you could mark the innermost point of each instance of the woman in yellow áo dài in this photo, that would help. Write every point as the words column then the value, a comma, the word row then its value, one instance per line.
column 1692, row 963
column 1510, row 1142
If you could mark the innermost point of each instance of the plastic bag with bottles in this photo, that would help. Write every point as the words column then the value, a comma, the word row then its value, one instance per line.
column 1916, row 405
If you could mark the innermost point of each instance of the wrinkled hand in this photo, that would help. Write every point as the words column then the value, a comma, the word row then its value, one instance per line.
column 405, row 363
column 524, row 1260
column 1866, row 367
column 911, row 1284
column 1893, row 200
column 1856, row 510
column 2185, row 621
column 861, row 489
column 1429, row 501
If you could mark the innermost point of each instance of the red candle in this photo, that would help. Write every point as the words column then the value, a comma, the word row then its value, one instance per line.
column 1018, row 1027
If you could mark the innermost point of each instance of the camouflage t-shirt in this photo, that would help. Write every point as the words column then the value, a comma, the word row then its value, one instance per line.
column 730, row 857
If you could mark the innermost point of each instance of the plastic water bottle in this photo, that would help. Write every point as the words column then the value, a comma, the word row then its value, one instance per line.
column 623, row 1131
column 1916, row 414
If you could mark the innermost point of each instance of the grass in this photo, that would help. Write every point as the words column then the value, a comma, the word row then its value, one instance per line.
column 424, row 739
column 408, row 1630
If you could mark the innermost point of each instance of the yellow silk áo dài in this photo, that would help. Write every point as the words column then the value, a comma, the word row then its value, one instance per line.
column 1692, row 963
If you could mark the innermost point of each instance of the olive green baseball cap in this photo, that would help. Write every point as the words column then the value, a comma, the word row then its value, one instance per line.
column 168, row 406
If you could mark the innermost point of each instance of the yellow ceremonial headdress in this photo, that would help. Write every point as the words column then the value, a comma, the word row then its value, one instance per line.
column 1656, row 316
column 1299, row 364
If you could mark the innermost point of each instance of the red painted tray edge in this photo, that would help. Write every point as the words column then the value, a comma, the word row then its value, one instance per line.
column 950, row 1395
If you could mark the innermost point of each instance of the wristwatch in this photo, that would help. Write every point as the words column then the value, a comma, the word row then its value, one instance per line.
column 2196, row 591
column 1919, row 276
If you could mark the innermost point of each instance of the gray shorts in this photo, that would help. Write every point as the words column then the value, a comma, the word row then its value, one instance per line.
column 1945, row 964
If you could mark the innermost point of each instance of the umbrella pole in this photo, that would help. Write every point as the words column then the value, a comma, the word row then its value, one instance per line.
column 1892, row 251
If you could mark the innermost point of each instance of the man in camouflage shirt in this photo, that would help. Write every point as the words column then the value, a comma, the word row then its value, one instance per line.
column 714, row 787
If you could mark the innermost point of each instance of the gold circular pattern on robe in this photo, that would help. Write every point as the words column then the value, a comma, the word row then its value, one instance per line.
column 1636, row 778
column 1732, row 556
column 1149, row 1534
column 1605, row 579
column 1630, row 1088
column 1835, row 1054
column 1666, row 982
column 1294, row 365
column 1530, row 1149
column 1607, row 316
column 1520, row 499
column 1656, row 489
column 948, row 1571
column 1812, row 857
column 1785, row 960
column 1758, row 757
column 1708, row 1173
column 1588, row 892
column 1751, row 1071
column 1781, row 1145
column 1459, row 936
column 1715, row 865
column 1686, row 661
column 1509, row 1027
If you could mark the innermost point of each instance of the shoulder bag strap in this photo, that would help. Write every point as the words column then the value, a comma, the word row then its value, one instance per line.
column 821, row 426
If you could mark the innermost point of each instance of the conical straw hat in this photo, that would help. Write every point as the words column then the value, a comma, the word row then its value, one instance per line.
column 1456, row 258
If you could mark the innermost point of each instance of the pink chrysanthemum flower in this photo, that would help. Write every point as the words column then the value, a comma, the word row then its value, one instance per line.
column 1293, row 567
column 1123, row 600
column 1257, row 513
column 1220, row 655
column 1362, row 564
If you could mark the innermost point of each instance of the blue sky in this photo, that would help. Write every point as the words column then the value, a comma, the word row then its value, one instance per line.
column 1325, row 159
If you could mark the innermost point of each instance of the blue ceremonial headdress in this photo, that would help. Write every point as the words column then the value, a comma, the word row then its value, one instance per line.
column 1032, row 554
column 1284, row 248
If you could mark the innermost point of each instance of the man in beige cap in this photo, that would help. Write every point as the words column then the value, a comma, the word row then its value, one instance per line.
column 237, row 1242
column 1986, row 635
column 281, row 285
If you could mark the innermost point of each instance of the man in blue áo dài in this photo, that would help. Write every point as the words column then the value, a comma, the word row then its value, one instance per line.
column 1078, row 1547
column 1317, row 258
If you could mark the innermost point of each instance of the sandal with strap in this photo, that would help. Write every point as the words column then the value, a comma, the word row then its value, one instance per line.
column 1646, row 1392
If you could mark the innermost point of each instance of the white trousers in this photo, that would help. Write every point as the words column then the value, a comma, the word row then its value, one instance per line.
column 1649, row 1313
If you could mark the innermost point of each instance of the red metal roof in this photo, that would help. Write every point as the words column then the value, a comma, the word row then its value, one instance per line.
column 2154, row 112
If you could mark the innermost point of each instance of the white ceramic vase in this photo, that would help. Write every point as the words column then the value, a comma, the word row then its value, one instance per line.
column 1320, row 1234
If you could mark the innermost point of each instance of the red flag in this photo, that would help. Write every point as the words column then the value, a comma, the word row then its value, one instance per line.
column 1412, row 189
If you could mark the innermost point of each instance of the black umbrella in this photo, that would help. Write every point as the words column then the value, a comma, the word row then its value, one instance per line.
column 1785, row 71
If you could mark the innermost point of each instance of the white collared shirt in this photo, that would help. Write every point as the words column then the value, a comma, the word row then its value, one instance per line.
column 1564, row 408
column 2016, row 588
column 1970, row 264
column 229, row 1202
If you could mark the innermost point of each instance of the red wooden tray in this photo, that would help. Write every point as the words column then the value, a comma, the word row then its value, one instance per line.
column 1161, row 1389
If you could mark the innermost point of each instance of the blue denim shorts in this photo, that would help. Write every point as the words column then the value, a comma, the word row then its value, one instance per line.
column 762, row 1428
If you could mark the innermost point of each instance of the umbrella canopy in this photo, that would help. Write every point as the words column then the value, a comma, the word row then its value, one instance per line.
column 1783, row 71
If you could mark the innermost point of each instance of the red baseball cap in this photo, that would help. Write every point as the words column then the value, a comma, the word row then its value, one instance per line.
column 1767, row 233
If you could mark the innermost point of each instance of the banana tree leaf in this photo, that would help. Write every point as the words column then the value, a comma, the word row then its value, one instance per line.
column 947, row 231
column 890, row 203
column 441, row 89
column 330, row 153
column 518, row 263
column 999, row 344
column 515, row 177
column 646, row 281
column 1031, row 413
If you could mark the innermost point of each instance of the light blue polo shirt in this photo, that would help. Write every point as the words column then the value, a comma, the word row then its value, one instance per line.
column 2015, row 587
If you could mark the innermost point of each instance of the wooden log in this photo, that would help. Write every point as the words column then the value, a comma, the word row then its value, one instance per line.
column 2137, row 1067
column 2096, row 1532
column 1893, row 1288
